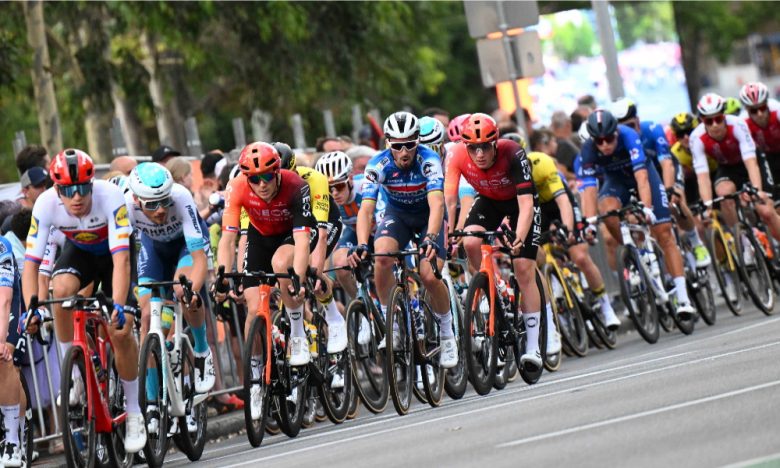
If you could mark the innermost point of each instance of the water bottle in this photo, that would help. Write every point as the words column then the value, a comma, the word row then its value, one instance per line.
column 278, row 337
column 503, row 295
column 311, row 331
column 419, row 324
column 655, row 269
column 100, row 374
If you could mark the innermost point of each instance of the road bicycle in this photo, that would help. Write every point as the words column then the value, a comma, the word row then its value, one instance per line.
column 456, row 378
column 176, row 405
column 25, row 435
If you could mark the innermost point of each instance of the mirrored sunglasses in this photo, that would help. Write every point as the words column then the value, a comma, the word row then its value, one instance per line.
column 152, row 205
column 266, row 177
column 402, row 145
column 69, row 191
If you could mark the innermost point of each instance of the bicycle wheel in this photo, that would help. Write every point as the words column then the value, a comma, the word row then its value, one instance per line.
column 571, row 324
column 253, row 358
column 400, row 362
column 115, row 441
column 481, row 350
column 432, row 372
column 191, row 437
column 335, row 401
column 456, row 378
column 637, row 295
column 754, row 270
column 605, row 337
column 726, row 272
column 367, row 361
column 532, row 375
column 700, row 291
column 27, row 436
column 668, row 310
column 150, row 359
column 78, row 432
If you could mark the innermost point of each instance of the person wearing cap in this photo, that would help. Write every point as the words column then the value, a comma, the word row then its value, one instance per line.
column 123, row 164
column 162, row 154
column 34, row 182
column 210, row 167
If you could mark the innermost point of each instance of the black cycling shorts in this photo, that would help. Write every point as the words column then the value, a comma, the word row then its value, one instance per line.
column 550, row 213
column 490, row 213
column 738, row 174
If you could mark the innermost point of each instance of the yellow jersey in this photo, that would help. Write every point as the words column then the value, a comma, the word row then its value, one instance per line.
column 685, row 158
column 320, row 196
column 546, row 177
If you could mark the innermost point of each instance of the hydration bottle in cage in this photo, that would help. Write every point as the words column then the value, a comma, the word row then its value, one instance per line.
column 503, row 294
column 100, row 373
column 418, row 316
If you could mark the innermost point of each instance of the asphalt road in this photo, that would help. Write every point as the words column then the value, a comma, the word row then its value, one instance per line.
column 710, row 399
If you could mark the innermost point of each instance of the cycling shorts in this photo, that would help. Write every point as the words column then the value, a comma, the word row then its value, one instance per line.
column 260, row 250
column 619, row 186
column 404, row 226
column 550, row 213
column 738, row 174
column 490, row 213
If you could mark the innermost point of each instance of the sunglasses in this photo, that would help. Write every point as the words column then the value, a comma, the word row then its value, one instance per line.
column 708, row 121
column 756, row 110
column 403, row 145
column 153, row 205
column 69, row 191
column 338, row 187
column 609, row 139
column 267, row 178
column 484, row 147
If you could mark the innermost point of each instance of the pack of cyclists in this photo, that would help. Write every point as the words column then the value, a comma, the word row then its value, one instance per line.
column 432, row 181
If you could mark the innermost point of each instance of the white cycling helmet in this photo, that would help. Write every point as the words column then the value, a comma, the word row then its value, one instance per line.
column 624, row 109
column 336, row 166
column 234, row 172
column 583, row 132
column 431, row 131
column 754, row 94
column 402, row 125
column 150, row 181
column 711, row 104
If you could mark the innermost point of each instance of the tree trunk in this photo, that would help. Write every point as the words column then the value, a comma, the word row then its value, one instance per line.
column 43, row 85
column 690, row 49
column 97, row 123
column 164, row 110
column 131, row 127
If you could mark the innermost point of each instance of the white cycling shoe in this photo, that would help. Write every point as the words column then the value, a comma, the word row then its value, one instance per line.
column 364, row 332
column 611, row 321
column 135, row 433
column 685, row 311
column 337, row 337
column 298, row 350
column 449, row 353
column 255, row 402
column 553, row 342
column 532, row 360
column 76, row 392
column 205, row 376
column 12, row 456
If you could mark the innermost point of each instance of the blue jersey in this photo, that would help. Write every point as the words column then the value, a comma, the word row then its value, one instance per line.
column 10, row 278
column 404, row 189
column 628, row 157
column 654, row 143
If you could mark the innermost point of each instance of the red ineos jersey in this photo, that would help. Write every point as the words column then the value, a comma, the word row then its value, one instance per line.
column 508, row 177
column 768, row 139
column 737, row 146
column 290, row 209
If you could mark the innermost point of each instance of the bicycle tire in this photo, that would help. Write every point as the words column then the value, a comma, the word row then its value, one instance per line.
column 74, row 358
column 532, row 375
column 116, row 405
column 639, row 299
column 28, row 435
column 723, row 272
column 668, row 311
column 191, row 443
column 574, row 332
column 481, row 350
column 400, row 362
column 335, row 402
column 156, row 447
column 762, row 293
column 290, row 411
column 367, row 362
column 434, row 389
column 456, row 379
column 253, row 358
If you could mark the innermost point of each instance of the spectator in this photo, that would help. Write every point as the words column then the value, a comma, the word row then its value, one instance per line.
column 181, row 170
column 360, row 156
column 34, row 182
column 210, row 167
column 328, row 144
column 561, row 128
column 508, row 127
column 17, row 235
column 32, row 156
column 8, row 209
column 123, row 164
column 577, row 119
column 439, row 114
column 587, row 101
column 162, row 154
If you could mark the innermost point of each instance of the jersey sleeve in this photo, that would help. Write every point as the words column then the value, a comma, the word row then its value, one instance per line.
column 432, row 171
column 520, row 170
column 320, row 193
column 233, row 204
column 633, row 144
column 373, row 177
column 8, row 268
column 40, row 223
column 452, row 175
column 747, row 146
column 465, row 189
column 244, row 222
column 552, row 178
column 698, row 153
column 188, row 212
column 56, row 240
column 119, row 228
column 662, row 150
column 585, row 165
column 303, row 218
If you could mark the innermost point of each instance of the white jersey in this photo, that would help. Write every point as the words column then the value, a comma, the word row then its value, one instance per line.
column 182, row 220
column 105, row 229
column 735, row 148
column 55, row 243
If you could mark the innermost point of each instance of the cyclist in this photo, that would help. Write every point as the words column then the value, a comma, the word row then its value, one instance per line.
column 411, row 178
column 432, row 133
column 557, row 203
column 617, row 149
column 733, row 107
column 727, row 139
column 329, row 229
column 281, row 232
column 501, row 174
column 173, row 241
column 466, row 192
column 12, row 402
column 657, row 150
column 763, row 123
column 93, row 217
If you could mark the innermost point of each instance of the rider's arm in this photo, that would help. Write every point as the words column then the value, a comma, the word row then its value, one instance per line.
column 303, row 223
column 700, row 165
column 231, row 222
column 589, row 197
column 120, row 277
column 567, row 212
column 37, row 237
column 451, row 182
column 119, row 231
column 6, row 299
column 643, row 187
column 369, row 193
column 754, row 173
column 705, row 186
column 436, row 205
column 667, row 170
column 465, row 207
column 242, row 245
column 318, row 256
column 520, row 173
column 747, row 148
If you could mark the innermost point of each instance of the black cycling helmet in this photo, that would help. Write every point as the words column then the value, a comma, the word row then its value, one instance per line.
column 287, row 155
column 684, row 122
column 601, row 123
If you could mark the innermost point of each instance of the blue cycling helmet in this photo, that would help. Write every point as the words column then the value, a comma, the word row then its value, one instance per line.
column 431, row 131
column 601, row 123
column 150, row 181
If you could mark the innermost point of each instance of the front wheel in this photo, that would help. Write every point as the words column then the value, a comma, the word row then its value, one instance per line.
column 116, row 406
column 153, row 405
column 191, row 437
column 254, row 358
column 335, row 400
column 400, row 361
column 531, row 375
column 755, row 272
column 456, row 379
column 481, row 348
column 432, row 372
column 637, row 294
column 574, row 332
column 725, row 264
column 78, row 433
column 366, row 360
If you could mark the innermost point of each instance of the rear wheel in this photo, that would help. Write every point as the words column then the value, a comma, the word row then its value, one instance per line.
column 254, row 359
column 116, row 406
column 456, row 378
column 78, row 433
column 432, row 372
column 700, row 292
column 191, row 437
column 335, row 401
column 400, row 358
column 481, row 350
column 153, row 405
column 367, row 361
column 725, row 264
column 530, row 374
column 571, row 324
column 637, row 294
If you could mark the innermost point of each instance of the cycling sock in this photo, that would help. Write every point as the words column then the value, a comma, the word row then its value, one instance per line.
column 22, row 424
column 11, row 422
column 693, row 237
column 332, row 315
column 296, row 322
column 550, row 320
column 599, row 292
column 199, row 333
column 152, row 384
column 682, row 290
column 131, row 396
column 531, row 320
column 445, row 325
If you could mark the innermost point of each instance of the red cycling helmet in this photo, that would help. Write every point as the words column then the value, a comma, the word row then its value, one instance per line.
column 72, row 166
column 456, row 126
column 479, row 128
column 259, row 158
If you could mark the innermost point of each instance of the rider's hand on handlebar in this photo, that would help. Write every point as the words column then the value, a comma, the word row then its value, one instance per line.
column 118, row 316
column 649, row 215
column 6, row 351
column 359, row 255
column 428, row 248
